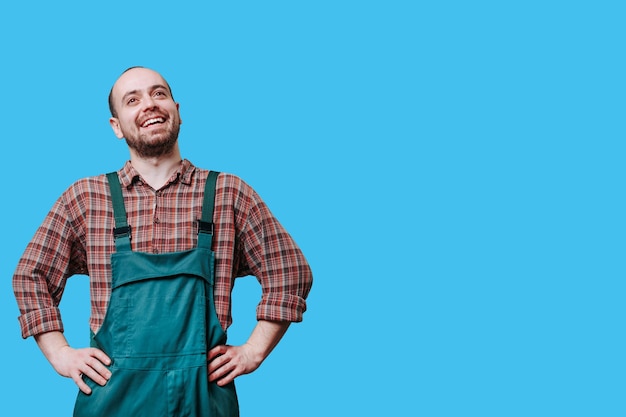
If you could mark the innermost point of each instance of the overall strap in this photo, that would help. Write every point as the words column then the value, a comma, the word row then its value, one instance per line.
column 121, row 232
column 205, row 224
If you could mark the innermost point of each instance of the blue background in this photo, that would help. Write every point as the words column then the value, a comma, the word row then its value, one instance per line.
column 453, row 171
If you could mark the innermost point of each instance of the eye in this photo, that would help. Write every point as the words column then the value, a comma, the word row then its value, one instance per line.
column 131, row 100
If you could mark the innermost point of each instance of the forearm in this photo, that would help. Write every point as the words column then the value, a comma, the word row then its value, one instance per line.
column 50, row 344
column 265, row 337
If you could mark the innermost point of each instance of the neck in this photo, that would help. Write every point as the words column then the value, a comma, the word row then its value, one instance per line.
column 156, row 171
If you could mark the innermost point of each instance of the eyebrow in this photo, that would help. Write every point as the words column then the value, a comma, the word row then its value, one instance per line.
column 151, row 88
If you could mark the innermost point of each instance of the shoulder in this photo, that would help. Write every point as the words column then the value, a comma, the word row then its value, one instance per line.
column 227, row 183
column 233, row 182
column 85, row 193
column 88, row 186
column 231, row 192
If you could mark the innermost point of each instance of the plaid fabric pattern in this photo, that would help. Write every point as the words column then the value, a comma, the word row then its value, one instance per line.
column 76, row 237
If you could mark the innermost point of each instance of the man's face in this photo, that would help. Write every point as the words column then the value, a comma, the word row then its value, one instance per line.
column 147, row 115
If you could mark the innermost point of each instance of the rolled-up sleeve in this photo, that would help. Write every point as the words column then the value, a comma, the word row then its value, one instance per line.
column 275, row 259
column 40, row 276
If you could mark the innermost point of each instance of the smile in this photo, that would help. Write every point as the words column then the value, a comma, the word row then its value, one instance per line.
column 153, row 121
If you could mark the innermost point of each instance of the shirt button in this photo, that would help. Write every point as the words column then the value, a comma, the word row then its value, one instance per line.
column 156, row 220
column 155, row 251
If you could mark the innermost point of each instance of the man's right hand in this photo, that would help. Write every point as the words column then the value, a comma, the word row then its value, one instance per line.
column 74, row 363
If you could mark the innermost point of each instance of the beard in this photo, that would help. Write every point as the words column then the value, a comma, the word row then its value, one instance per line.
column 154, row 144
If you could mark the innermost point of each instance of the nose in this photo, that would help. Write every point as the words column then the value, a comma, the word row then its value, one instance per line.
column 148, row 102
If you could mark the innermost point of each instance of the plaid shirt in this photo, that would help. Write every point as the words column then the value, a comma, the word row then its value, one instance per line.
column 76, row 238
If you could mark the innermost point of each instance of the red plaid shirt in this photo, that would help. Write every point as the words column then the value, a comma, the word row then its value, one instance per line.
column 76, row 238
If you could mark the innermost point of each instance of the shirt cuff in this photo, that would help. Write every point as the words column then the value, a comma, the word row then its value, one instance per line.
column 281, row 307
column 41, row 321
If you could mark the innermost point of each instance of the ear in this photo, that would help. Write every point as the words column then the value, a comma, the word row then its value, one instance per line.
column 178, row 109
column 115, row 125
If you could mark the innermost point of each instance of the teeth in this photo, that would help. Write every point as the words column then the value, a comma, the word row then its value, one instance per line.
column 152, row 121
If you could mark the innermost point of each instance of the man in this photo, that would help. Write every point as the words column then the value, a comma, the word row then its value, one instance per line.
column 159, row 304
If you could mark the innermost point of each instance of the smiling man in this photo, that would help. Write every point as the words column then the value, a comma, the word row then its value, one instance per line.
column 162, row 242
column 148, row 134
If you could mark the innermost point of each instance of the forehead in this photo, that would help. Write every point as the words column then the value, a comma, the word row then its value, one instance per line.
column 137, row 79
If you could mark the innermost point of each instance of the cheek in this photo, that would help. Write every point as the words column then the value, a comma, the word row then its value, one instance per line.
column 125, row 126
column 128, row 124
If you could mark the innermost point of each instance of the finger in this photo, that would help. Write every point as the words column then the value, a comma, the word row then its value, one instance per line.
column 101, row 356
column 78, row 380
column 102, row 373
column 96, row 377
column 218, row 362
column 216, row 351
column 223, row 374
column 228, row 377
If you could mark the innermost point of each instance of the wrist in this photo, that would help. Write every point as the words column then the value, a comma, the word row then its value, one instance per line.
column 255, row 353
column 51, row 344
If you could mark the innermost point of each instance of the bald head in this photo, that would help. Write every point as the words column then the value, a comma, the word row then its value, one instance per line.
column 114, row 94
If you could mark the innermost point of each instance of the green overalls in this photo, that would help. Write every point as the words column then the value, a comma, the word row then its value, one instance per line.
column 159, row 325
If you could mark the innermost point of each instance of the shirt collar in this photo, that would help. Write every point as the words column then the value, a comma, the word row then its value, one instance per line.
column 129, row 176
